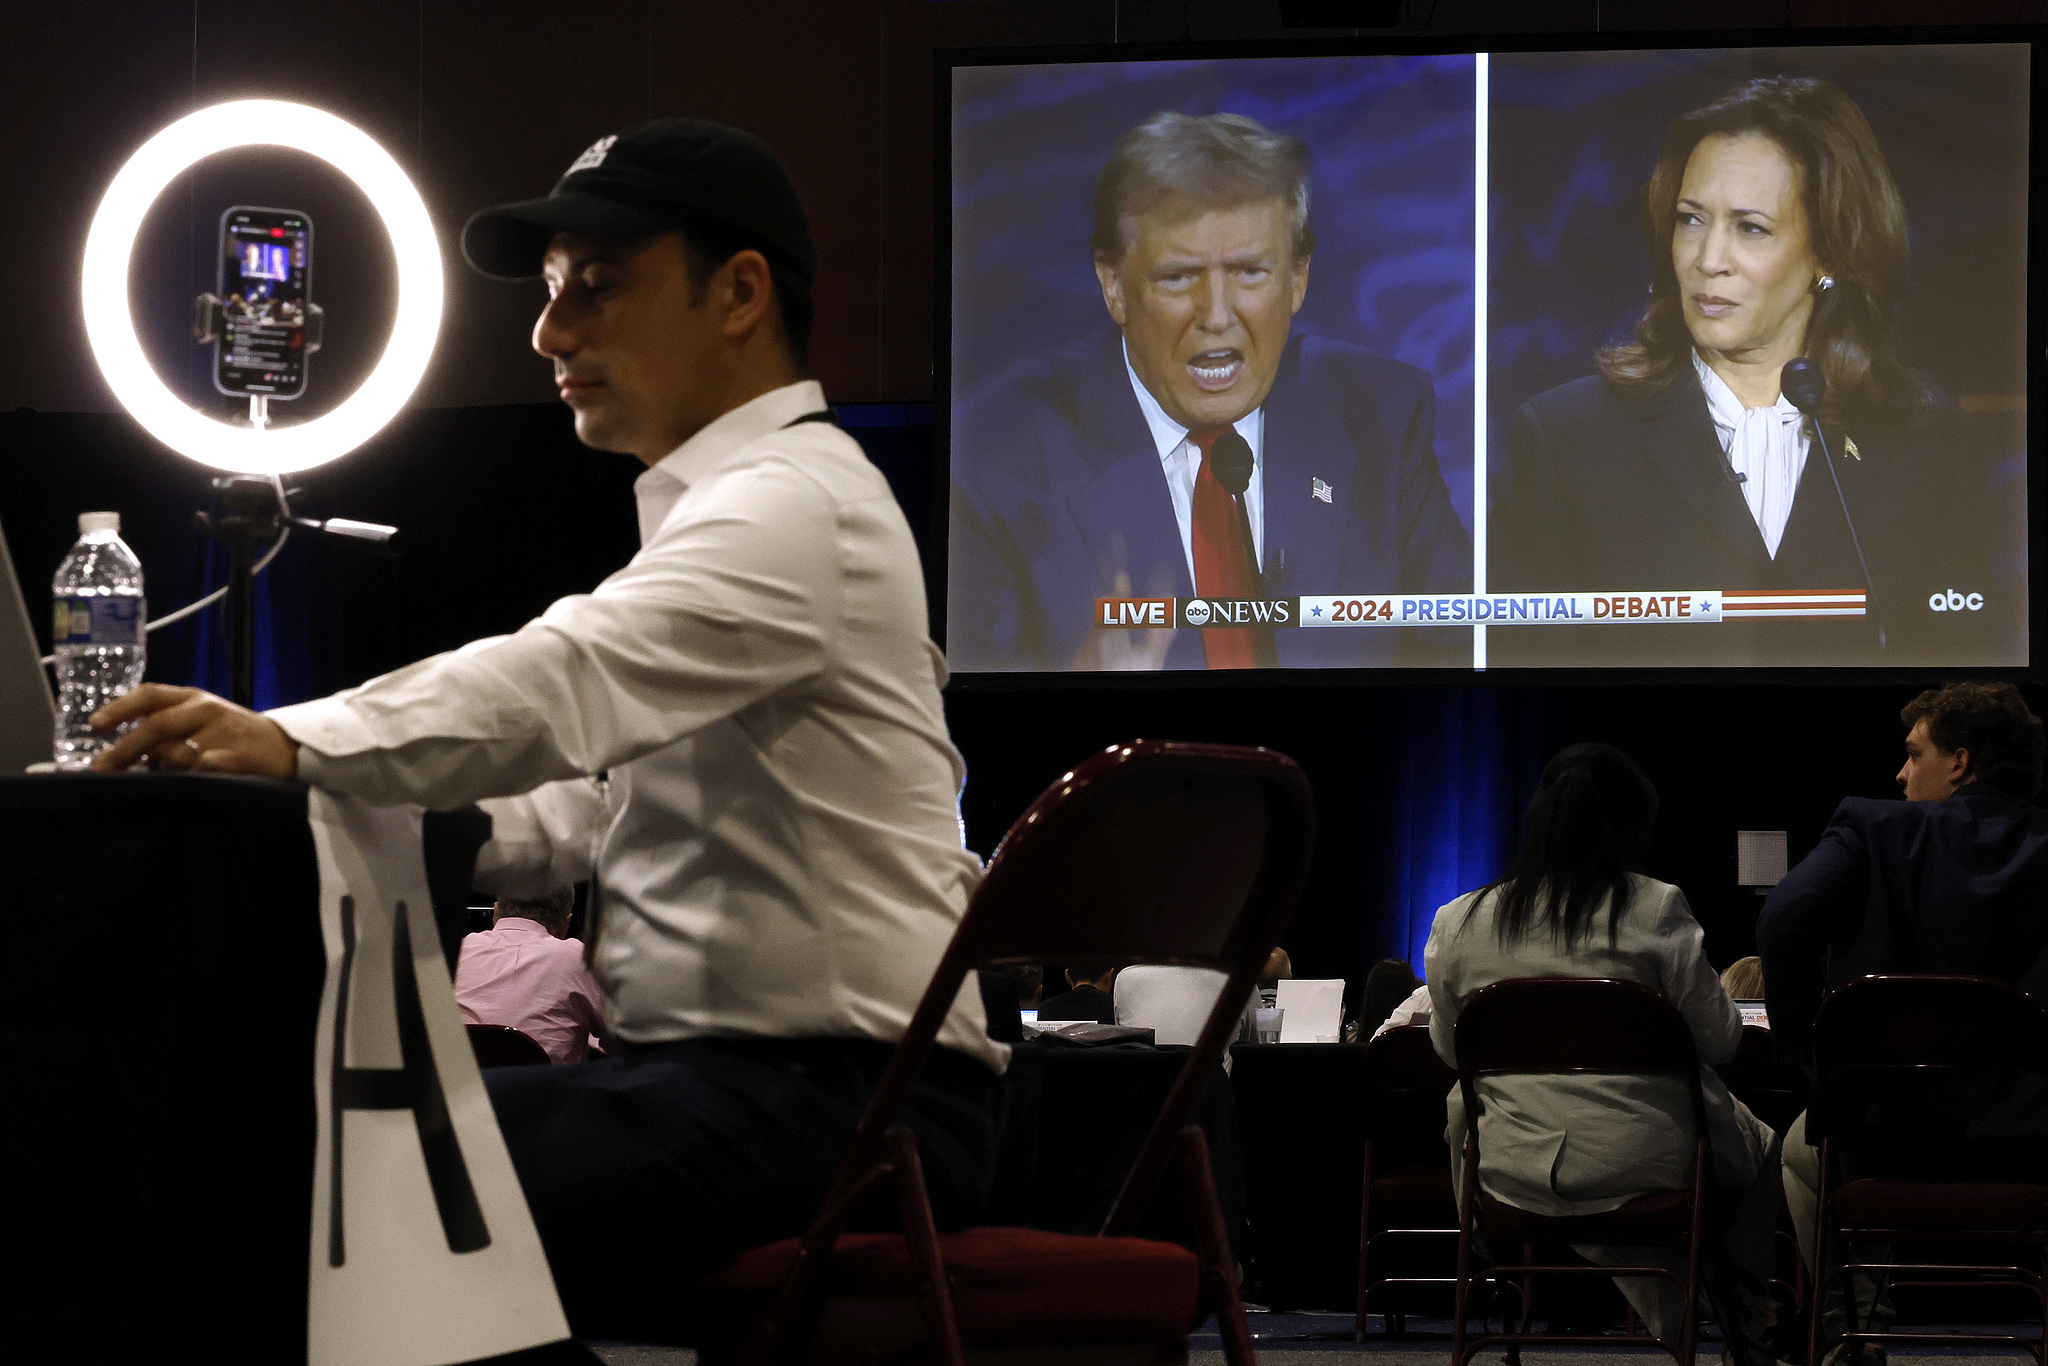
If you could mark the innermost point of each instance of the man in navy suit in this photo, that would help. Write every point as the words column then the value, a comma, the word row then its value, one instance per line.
column 1087, row 474
column 1952, row 880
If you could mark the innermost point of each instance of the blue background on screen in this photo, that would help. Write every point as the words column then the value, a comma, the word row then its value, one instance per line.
column 1392, row 143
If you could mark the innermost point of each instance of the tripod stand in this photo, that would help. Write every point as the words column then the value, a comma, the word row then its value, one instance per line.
column 255, row 515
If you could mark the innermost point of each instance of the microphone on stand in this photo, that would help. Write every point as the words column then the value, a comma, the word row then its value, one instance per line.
column 1231, row 456
column 1803, row 383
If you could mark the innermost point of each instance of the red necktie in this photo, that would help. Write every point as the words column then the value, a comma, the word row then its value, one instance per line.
column 1224, row 568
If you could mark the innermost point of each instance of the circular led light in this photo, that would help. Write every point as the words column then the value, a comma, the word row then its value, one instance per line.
column 111, row 329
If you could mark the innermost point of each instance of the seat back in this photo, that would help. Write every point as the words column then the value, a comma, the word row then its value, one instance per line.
column 1773, row 1091
column 504, row 1046
column 1899, row 1023
column 1403, row 1060
column 1153, row 852
column 1406, row 1085
column 1573, row 1025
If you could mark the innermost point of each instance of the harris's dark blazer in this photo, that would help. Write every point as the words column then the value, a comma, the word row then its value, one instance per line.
column 1955, row 886
column 1059, row 498
column 1610, row 492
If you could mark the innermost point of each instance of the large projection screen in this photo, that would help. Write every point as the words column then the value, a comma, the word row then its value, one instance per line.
column 1699, row 358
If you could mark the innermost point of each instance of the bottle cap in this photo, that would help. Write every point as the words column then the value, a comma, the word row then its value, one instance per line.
column 89, row 522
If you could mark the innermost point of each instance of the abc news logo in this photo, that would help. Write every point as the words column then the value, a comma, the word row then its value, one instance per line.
column 1952, row 601
column 1197, row 613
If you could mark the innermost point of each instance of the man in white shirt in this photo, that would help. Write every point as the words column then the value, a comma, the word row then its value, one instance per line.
column 780, row 861
column 526, row 973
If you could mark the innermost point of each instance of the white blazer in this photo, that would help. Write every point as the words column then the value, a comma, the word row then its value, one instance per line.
column 1572, row 1145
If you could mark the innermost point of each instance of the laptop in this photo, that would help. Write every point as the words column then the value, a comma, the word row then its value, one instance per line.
column 28, row 711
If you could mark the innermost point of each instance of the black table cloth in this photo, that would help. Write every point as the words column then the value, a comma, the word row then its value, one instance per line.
column 161, row 981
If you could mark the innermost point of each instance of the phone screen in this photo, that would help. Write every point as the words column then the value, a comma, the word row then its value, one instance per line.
column 266, row 275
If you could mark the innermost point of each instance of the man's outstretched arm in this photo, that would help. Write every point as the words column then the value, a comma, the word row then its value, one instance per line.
column 710, row 617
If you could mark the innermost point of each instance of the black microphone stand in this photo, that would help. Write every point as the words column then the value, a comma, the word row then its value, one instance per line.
column 1251, row 545
column 1806, row 385
column 254, row 515
column 1234, row 465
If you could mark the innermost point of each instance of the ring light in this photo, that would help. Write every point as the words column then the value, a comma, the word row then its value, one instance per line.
column 110, row 327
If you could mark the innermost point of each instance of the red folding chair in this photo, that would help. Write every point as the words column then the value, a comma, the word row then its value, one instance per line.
column 504, row 1046
column 1407, row 1189
column 1148, row 852
column 1888, row 1027
column 1577, row 1026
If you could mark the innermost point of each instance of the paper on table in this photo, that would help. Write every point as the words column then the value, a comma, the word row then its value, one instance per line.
column 423, row 1250
column 1313, row 1007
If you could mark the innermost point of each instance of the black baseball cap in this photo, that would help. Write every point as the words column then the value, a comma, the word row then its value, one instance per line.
column 715, row 182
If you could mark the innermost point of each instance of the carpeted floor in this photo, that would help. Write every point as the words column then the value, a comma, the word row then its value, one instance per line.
column 1325, row 1340
column 622, row 1354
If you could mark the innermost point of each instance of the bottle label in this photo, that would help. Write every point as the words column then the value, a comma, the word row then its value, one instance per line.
column 98, row 621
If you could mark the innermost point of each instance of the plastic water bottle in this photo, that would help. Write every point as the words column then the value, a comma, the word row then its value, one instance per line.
column 97, row 631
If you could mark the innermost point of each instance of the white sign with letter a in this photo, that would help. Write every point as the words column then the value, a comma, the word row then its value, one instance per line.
column 423, row 1251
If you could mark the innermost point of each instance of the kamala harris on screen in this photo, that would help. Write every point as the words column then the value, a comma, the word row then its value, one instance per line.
column 1775, row 231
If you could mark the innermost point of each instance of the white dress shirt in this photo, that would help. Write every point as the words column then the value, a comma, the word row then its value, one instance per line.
column 1173, row 1002
column 1414, row 1009
column 1182, row 461
column 781, row 853
column 1766, row 444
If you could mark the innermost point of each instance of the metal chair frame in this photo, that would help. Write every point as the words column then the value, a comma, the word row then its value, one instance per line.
column 1404, row 1039
column 1624, row 1047
column 1006, row 922
column 1843, row 1042
column 1752, row 1077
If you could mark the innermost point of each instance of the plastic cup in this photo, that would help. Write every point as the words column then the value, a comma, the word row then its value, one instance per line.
column 1269, row 1019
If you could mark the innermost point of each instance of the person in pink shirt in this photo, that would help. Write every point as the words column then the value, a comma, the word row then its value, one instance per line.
column 526, row 972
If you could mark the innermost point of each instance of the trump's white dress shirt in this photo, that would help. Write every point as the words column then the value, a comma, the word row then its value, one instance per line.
column 781, row 849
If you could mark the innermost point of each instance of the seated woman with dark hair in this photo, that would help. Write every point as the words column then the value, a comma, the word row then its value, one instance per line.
column 1775, row 232
column 1573, row 1145
column 1390, row 983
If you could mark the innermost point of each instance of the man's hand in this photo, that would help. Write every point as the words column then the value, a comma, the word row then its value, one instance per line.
column 182, row 729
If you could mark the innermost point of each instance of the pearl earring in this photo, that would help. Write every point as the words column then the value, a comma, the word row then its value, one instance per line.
column 1824, row 283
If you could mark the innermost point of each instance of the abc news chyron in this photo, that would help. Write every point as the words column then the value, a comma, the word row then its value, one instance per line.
column 1676, row 607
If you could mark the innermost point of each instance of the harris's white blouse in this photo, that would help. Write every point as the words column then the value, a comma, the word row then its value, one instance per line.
column 1765, row 445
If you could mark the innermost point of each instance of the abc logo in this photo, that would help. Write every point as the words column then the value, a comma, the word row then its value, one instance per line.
column 1197, row 612
column 1952, row 601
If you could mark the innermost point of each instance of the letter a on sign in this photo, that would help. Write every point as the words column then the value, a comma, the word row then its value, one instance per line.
column 423, row 1251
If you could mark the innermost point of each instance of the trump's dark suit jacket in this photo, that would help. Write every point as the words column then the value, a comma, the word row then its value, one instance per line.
column 1956, row 886
column 1059, row 498
column 1608, row 492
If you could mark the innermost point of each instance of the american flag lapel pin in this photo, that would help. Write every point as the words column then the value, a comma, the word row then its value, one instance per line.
column 1320, row 491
